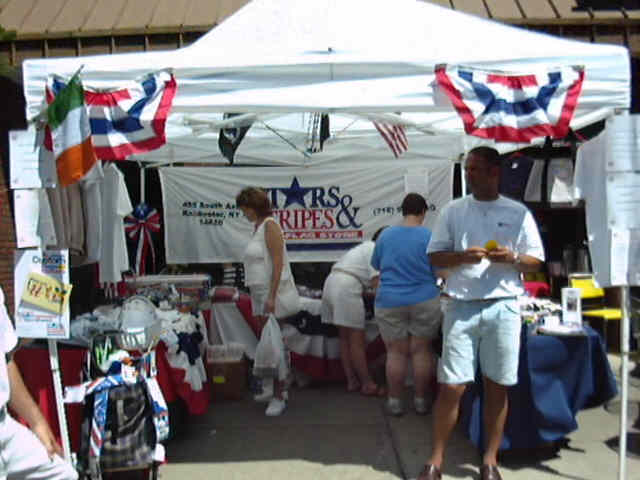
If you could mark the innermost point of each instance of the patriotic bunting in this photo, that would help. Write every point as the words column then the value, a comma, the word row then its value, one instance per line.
column 139, row 226
column 512, row 107
column 129, row 120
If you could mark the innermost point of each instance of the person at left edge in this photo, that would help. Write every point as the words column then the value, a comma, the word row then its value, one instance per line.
column 25, row 453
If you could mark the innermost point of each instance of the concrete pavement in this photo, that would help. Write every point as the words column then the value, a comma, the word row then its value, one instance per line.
column 326, row 433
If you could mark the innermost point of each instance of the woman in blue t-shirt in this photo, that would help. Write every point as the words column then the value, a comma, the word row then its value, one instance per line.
column 407, row 306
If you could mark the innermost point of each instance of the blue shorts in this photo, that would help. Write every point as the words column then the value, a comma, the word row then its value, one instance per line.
column 485, row 331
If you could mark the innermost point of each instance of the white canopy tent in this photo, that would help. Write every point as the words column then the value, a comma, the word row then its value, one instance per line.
column 356, row 57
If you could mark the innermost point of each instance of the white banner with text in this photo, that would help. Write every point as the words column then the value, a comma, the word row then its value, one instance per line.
column 323, row 210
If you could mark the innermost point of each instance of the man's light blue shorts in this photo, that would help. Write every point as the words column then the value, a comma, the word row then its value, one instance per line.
column 487, row 331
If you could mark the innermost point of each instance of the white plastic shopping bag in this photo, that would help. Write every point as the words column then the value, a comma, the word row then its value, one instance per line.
column 270, row 359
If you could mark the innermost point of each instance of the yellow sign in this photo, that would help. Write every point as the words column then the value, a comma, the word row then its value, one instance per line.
column 47, row 293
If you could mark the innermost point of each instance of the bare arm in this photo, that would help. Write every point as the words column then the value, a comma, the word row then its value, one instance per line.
column 523, row 263
column 22, row 403
column 275, row 245
column 448, row 259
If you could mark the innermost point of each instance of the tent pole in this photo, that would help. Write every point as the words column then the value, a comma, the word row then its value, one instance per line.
column 624, row 379
column 463, row 180
column 57, row 387
column 142, row 186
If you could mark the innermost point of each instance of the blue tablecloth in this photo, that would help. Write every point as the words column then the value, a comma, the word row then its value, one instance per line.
column 557, row 377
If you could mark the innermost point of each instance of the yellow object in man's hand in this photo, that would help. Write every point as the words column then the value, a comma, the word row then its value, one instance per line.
column 491, row 245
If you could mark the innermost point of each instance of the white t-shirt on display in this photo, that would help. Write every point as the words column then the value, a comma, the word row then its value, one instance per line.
column 116, row 205
column 8, row 341
column 467, row 222
column 357, row 261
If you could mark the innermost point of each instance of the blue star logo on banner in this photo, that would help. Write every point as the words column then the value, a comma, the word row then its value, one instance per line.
column 295, row 194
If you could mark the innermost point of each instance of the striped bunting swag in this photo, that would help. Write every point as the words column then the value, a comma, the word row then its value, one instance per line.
column 129, row 120
column 509, row 107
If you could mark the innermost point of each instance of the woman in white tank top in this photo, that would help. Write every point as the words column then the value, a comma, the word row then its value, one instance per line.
column 267, row 272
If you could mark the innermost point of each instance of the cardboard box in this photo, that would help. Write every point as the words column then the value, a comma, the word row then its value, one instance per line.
column 227, row 371
column 228, row 379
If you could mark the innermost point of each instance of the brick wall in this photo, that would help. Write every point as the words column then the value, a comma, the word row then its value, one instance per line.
column 11, row 118
column 7, row 239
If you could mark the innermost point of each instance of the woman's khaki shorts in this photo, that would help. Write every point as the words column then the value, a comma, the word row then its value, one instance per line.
column 419, row 320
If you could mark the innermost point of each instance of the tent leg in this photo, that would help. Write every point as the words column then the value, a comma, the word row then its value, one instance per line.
column 624, row 380
column 57, row 387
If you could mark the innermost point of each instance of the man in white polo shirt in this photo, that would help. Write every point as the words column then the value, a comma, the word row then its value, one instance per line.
column 24, row 454
column 485, row 241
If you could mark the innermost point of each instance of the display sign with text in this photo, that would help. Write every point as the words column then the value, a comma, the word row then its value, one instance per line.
column 42, row 285
column 323, row 210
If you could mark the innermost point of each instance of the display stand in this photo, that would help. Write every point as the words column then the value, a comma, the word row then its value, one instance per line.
column 57, row 387
column 38, row 315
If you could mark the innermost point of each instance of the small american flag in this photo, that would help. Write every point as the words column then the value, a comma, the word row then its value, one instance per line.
column 394, row 136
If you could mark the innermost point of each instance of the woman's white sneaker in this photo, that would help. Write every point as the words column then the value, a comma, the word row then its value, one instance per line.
column 276, row 407
column 394, row 406
column 422, row 406
column 267, row 391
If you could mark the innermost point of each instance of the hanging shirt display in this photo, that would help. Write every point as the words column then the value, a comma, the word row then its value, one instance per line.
column 91, row 186
column 590, row 184
column 46, row 228
column 116, row 205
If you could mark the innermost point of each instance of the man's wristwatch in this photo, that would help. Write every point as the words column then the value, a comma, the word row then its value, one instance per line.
column 516, row 258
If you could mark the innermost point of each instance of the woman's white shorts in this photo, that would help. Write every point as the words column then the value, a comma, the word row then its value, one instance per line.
column 342, row 303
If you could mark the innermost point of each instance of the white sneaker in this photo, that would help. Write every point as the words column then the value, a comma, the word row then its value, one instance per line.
column 422, row 406
column 276, row 407
column 394, row 406
column 267, row 391
column 263, row 397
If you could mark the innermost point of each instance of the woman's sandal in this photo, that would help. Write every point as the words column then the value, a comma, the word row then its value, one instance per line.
column 355, row 387
column 376, row 391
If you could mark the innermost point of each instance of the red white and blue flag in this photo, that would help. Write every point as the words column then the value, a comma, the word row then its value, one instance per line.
column 395, row 137
column 129, row 120
column 512, row 107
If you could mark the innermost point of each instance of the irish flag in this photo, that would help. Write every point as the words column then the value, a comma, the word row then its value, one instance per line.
column 70, row 133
